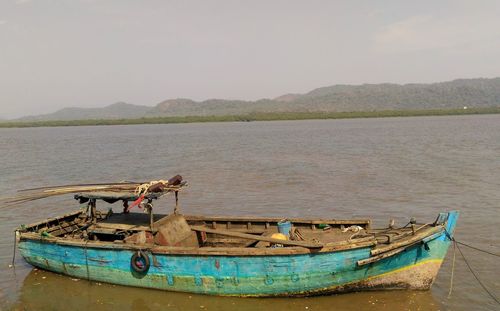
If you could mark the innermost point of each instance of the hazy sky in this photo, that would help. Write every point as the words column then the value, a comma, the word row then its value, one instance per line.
column 55, row 54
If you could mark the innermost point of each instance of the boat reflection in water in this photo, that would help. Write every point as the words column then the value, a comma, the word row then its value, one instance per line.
column 42, row 290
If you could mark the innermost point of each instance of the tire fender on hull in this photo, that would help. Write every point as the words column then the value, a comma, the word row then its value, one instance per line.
column 140, row 262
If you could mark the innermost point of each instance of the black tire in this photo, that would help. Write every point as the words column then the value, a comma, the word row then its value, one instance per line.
column 140, row 262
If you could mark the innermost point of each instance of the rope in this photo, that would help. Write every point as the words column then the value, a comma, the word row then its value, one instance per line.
column 455, row 244
column 477, row 278
column 452, row 268
column 143, row 188
column 87, row 260
column 14, row 252
column 477, row 249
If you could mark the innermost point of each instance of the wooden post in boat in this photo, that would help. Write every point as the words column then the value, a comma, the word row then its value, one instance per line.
column 176, row 208
column 93, row 213
column 149, row 208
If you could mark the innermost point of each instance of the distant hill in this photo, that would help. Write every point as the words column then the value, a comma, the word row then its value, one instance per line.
column 115, row 111
column 473, row 93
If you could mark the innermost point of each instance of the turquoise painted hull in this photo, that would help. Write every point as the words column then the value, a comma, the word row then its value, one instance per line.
column 267, row 275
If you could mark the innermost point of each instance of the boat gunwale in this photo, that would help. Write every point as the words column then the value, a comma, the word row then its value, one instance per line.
column 24, row 234
column 222, row 251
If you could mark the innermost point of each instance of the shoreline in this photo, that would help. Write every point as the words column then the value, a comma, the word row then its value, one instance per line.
column 266, row 116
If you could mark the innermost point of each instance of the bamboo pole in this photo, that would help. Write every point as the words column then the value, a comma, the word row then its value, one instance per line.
column 32, row 194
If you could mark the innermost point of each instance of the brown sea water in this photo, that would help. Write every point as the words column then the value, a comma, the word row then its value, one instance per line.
column 374, row 168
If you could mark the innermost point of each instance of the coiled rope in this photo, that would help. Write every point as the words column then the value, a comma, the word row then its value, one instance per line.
column 144, row 188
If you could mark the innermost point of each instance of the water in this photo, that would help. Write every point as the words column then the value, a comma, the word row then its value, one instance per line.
column 377, row 168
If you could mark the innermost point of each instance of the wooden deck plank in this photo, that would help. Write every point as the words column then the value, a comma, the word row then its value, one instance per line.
column 257, row 237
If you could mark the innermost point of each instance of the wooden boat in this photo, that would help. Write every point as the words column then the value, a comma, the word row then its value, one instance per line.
column 234, row 256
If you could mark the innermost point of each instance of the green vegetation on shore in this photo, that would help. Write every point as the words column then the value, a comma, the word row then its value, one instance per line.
column 271, row 116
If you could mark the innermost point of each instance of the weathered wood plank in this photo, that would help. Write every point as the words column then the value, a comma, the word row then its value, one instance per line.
column 396, row 251
column 104, row 225
column 381, row 256
column 404, row 242
column 53, row 219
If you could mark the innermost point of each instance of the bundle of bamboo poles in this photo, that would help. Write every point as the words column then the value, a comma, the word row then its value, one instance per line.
column 138, row 188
